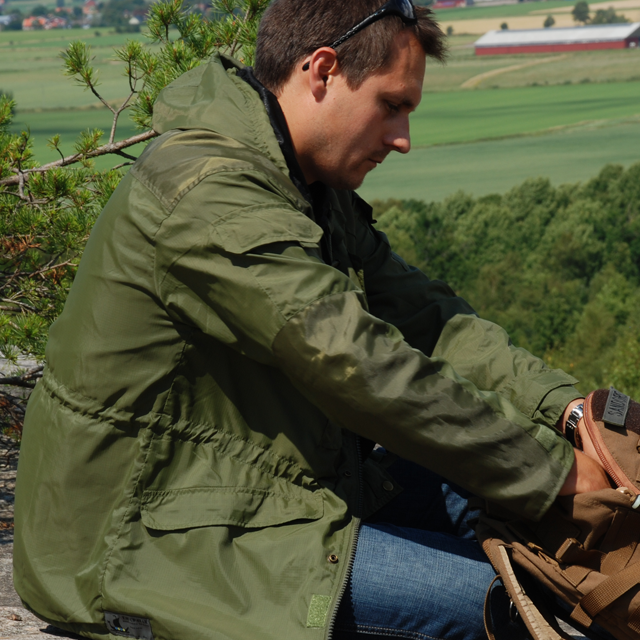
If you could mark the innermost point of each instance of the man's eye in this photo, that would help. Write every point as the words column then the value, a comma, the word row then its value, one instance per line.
column 394, row 108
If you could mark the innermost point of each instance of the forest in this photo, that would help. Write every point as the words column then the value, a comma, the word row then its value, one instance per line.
column 558, row 267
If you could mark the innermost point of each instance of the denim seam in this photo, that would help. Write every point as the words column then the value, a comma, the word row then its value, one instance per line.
column 392, row 633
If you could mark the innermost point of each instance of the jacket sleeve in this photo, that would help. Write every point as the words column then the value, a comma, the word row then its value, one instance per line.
column 244, row 280
column 439, row 323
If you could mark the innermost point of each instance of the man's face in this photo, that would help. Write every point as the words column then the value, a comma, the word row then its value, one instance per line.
column 357, row 129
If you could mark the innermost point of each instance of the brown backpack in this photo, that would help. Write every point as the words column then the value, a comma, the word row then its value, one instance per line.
column 581, row 561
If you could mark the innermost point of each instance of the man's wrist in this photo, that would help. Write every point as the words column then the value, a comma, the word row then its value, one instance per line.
column 562, row 423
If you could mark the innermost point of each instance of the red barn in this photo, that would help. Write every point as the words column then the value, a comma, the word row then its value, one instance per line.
column 450, row 4
column 601, row 36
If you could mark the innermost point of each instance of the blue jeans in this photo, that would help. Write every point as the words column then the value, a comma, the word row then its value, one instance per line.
column 419, row 572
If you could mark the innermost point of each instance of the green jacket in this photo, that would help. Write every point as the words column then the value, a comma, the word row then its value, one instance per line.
column 190, row 456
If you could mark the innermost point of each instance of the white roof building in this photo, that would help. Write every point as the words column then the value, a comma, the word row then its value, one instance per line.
column 601, row 36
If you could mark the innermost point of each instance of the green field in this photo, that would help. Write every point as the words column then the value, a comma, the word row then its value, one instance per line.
column 464, row 116
column 32, row 69
column 480, row 168
column 563, row 116
column 500, row 11
column 616, row 65
column 441, row 119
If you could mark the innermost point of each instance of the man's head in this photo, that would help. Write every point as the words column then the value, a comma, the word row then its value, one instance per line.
column 347, row 105
column 291, row 30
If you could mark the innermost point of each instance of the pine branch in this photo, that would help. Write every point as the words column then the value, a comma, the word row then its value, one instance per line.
column 27, row 379
column 106, row 149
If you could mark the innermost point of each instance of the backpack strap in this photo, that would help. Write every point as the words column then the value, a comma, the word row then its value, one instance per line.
column 606, row 593
column 488, row 620
column 541, row 624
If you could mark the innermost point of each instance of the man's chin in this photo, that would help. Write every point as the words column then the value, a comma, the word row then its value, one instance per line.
column 348, row 182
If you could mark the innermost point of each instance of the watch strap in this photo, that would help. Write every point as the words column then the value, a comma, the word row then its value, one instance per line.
column 571, row 424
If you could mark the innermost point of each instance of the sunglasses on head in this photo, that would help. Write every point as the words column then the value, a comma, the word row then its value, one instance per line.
column 402, row 8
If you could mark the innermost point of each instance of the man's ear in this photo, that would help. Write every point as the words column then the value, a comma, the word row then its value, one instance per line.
column 321, row 66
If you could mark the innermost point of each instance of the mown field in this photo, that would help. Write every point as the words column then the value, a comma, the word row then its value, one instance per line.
column 525, row 15
column 31, row 67
column 484, row 124
column 495, row 166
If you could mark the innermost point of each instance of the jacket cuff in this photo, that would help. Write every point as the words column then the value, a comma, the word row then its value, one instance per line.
column 553, row 405
column 542, row 395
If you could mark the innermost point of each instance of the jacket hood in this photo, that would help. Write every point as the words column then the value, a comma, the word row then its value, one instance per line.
column 213, row 97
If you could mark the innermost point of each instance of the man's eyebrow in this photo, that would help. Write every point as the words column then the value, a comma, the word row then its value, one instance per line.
column 403, row 101
column 409, row 103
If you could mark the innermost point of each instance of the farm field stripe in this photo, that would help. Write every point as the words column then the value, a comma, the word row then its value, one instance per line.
column 471, row 83
column 496, row 166
column 467, row 116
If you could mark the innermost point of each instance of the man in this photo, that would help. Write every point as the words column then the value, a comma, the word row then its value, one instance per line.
column 197, row 461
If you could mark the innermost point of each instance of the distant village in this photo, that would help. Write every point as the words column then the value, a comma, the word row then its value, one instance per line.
column 605, row 30
column 124, row 15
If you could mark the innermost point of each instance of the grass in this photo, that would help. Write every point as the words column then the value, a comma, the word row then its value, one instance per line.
column 622, row 65
column 523, row 15
column 466, row 116
column 570, row 89
column 500, row 11
column 32, row 69
column 496, row 166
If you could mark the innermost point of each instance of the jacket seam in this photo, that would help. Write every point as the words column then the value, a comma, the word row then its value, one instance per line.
column 96, row 415
column 122, row 522
column 292, row 465
column 176, row 435
column 239, row 167
column 173, row 381
column 210, row 227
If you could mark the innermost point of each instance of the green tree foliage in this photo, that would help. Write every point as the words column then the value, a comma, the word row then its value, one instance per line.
column 580, row 12
column 39, row 10
column 608, row 16
column 117, row 13
column 16, row 21
column 8, row 95
column 549, row 21
column 47, row 211
column 558, row 267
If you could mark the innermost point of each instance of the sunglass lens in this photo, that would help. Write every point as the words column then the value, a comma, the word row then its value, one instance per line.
column 407, row 9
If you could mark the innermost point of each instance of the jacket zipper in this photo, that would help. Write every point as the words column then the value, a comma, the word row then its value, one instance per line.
column 354, row 542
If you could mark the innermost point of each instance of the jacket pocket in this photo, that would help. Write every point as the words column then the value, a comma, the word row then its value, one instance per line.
column 259, row 225
column 231, row 506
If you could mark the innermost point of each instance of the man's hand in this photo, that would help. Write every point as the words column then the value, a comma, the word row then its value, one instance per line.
column 585, row 475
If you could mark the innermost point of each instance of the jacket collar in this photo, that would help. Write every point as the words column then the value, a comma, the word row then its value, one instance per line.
column 280, row 129
column 318, row 193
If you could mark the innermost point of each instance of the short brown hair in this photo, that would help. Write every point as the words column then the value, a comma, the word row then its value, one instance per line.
column 290, row 30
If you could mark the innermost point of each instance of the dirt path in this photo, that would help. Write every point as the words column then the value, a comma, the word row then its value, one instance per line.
column 476, row 80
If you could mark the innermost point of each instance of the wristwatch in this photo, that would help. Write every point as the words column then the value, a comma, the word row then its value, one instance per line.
column 571, row 425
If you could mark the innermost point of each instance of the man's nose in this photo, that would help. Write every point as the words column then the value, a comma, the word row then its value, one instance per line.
column 399, row 138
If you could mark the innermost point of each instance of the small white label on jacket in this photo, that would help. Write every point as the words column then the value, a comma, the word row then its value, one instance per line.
column 128, row 626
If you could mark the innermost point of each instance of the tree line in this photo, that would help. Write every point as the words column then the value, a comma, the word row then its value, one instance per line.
column 557, row 267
